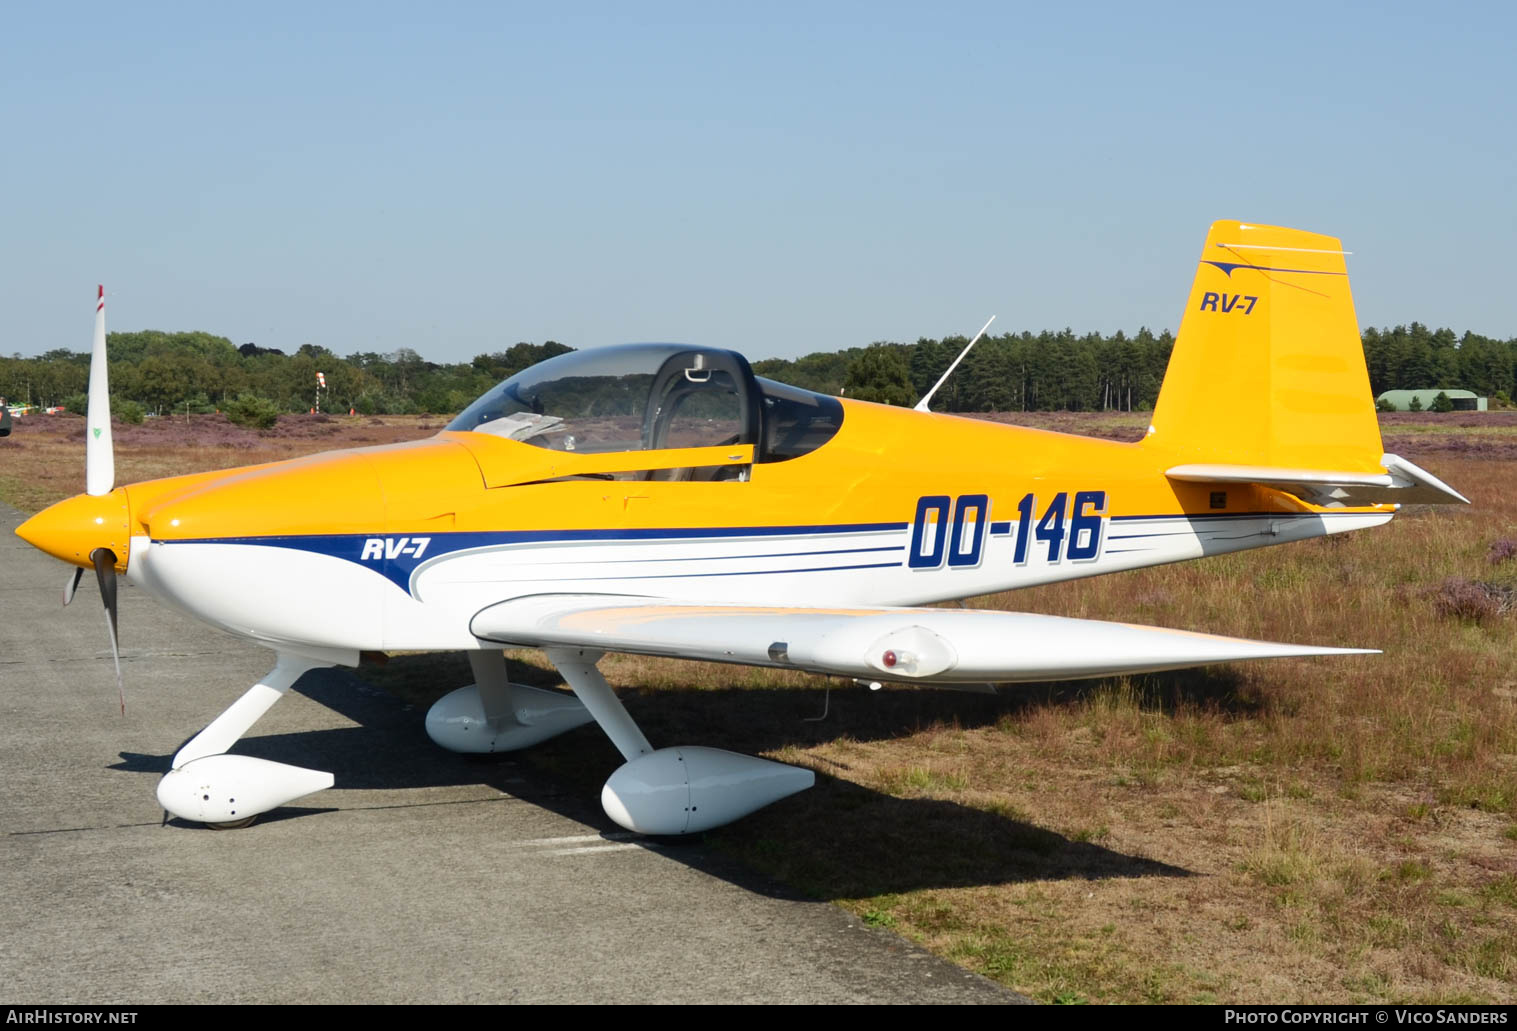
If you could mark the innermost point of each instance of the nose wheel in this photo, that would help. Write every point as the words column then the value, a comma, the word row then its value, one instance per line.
column 223, row 791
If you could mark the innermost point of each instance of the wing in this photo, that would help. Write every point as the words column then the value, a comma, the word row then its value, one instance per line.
column 907, row 644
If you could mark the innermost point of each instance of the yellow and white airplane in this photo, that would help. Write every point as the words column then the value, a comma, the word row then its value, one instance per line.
column 661, row 499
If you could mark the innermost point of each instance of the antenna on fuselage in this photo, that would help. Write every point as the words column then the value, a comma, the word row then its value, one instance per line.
column 921, row 406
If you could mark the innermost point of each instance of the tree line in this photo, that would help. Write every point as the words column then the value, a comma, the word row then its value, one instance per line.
column 155, row 371
column 1059, row 371
column 1047, row 371
column 198, row 372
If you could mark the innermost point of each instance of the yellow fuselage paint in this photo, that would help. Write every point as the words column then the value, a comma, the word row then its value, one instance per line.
column 880, row 463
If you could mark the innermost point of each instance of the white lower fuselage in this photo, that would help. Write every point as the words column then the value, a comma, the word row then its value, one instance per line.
column 379, row 593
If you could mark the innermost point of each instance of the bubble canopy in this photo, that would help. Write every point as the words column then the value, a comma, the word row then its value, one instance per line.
column 641, row 397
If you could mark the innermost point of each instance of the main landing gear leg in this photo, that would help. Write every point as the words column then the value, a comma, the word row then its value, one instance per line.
column 209, row 786
column 578, row 665
column 681, row 790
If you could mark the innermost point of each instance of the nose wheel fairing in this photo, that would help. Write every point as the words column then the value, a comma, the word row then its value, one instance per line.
column 230, row 790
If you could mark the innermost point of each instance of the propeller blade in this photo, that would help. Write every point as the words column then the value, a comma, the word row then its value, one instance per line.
column 105, row 574
column 99, row 456
column 73, row 584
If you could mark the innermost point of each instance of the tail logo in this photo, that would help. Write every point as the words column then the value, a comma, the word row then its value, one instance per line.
column 1212, row 301
column 1227, row 268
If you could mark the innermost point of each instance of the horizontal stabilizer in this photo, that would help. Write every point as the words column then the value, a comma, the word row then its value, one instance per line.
column 905, row 644
column 1403, row 483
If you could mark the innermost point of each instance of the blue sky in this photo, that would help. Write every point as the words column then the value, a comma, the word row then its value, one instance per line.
column 773, row 178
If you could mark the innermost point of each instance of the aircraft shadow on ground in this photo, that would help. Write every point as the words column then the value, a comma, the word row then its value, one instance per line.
column 838, row 840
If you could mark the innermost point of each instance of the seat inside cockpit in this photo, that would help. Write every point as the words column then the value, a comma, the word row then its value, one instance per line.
column 655, row 397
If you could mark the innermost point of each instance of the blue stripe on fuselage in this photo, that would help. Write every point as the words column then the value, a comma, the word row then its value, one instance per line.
column 397, row 568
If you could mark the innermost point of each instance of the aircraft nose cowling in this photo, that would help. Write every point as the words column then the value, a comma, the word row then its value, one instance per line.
column 323, row 494
column 73, row 529
column 396, row 488
column 294, row 553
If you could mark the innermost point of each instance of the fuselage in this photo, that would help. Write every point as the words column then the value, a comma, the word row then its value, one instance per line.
column 399, row 547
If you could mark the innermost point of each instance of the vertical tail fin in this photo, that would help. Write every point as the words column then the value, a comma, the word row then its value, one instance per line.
column 1268, row 368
